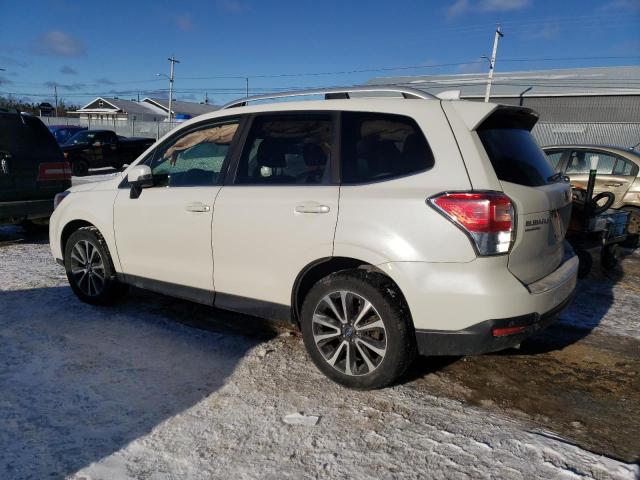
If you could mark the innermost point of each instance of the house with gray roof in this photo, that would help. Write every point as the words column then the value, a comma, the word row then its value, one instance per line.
column 150, row 109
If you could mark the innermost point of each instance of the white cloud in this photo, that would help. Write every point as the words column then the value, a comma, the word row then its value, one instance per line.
column 185, row 22
column 545, row 32
column 104, row 81
column 460, row 7
column 502, row 5
column 67, row 70
column 233, row 6
column 622, row 6
column 58, row 44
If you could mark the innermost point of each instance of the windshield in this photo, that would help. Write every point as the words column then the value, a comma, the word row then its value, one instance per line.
column 81, row 137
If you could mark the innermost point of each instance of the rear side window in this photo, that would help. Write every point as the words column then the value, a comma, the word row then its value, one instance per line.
column 625, row 168
column 379, row 147
column 287, row 150
column 512, row 150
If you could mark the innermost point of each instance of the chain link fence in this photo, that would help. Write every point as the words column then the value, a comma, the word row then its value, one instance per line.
column 126, row 128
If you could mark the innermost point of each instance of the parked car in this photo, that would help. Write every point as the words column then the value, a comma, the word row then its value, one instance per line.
column 32, row 169
column 618, row 172
column 63, row 133
column 381, row 227
column 102, row 148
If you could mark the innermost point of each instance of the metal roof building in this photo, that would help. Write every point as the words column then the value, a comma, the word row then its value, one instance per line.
column 581, row 105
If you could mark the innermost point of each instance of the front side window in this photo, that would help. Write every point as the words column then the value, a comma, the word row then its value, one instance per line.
column 379, row 147
column 195, row 158
column 580, row 162
column 554, row 158
column 287, row 150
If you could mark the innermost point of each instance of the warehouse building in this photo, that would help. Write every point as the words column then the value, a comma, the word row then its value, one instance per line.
column 599, row 105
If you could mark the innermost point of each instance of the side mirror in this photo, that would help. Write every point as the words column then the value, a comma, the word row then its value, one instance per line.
column 139, row 177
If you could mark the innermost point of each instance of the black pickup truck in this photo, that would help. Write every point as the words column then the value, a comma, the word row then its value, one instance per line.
column 32, row 169
column 102, row 148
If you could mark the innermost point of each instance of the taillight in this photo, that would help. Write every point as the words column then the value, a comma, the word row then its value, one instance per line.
column 49, row 171
column 488, row 218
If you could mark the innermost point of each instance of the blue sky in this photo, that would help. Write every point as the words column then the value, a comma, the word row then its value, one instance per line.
column 116, row 48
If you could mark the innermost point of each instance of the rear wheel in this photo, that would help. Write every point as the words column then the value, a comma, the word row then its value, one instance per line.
column 89, row 268
column 357, row 329
column 79, row 167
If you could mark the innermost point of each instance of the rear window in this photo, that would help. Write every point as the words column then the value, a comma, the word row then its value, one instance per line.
column 26, row 139
column 514, row 153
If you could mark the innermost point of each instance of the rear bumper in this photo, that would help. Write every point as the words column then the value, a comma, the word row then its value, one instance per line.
column 23, row 210
column 480, row 337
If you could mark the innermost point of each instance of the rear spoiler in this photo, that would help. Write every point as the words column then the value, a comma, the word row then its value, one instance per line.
column 490, row 115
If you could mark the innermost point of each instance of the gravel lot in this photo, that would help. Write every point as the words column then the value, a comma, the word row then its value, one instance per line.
column 160, row 388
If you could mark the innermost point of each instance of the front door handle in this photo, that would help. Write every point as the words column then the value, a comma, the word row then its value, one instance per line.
column 197, row 207
column 612, row 184
column 312, row 209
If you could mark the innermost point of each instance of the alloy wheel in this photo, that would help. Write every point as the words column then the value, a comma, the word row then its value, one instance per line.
column 349, row 333
column 87, row 268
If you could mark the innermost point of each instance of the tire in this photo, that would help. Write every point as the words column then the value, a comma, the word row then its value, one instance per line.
column 95, row 281
column 32, row 228
column 393, row 338
column 596, row 208
column 609, row 257
column 79, row 167
column 586, row 262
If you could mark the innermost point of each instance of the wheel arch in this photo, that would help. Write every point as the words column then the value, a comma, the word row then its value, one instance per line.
column 323, row 267
column 69, row 228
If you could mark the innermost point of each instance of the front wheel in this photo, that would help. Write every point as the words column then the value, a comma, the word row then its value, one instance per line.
column 357, row 329
column 89, row 268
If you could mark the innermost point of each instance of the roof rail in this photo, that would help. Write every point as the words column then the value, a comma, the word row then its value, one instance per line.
column 334, row 93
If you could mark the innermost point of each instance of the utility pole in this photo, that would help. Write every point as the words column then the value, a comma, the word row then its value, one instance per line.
column 173, row 61
column 247, row 83
column 492, row 62
column 55, row 94
column 206, row 98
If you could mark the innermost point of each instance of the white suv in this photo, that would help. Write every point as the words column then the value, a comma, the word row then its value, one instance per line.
column 381, row 226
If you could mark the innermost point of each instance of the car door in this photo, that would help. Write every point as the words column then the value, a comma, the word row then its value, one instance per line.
column 96, row 150
column 163, row 237
column 614, row 174
column 277, row 214
column 110, row 154
column 624, row 174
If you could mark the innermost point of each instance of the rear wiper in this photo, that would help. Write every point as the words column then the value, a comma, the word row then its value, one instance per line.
column 556, row 177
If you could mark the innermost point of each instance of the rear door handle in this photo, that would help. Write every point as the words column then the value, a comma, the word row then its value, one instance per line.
column 197, row 207
column 612, row 184
column 312, row 209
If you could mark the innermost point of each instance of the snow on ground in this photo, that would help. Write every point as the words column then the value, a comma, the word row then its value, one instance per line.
column 607, row 304
column 130, row 392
